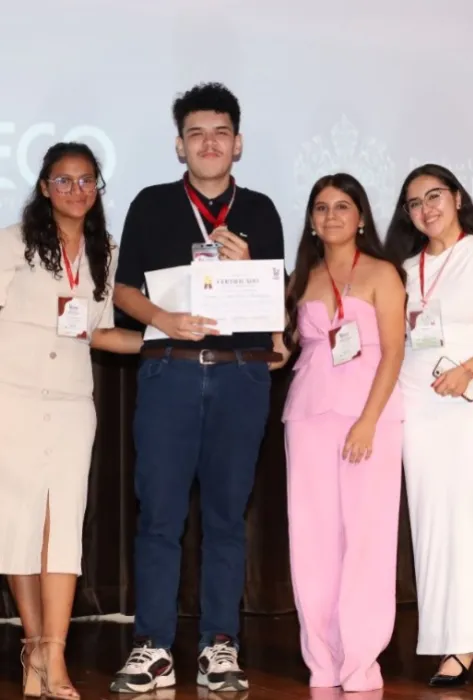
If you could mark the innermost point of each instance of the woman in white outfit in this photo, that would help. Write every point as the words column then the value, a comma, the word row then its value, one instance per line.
column 57, row 272
column 430, row 234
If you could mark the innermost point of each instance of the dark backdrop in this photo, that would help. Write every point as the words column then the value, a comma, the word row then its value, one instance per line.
column 107, row 582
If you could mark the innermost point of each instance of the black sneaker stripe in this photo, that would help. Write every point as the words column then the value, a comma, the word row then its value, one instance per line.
column 226, row 677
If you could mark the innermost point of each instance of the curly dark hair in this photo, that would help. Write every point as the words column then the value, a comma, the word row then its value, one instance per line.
column 40, row 231
column 403, row 239
column 311, row 249
column 206, row 97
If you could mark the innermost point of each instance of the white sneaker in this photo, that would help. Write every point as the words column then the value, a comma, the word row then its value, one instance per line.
column 218, row 667
column 147, row 668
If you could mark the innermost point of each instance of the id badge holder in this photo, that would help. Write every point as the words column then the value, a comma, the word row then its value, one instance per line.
column 425, row 326
column 345, row 343
column 72, row 317
column 205, row 252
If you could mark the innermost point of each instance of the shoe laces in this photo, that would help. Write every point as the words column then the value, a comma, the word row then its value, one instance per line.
column 223, row 655
column 141, row 656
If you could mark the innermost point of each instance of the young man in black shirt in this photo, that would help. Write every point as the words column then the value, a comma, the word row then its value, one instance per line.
column 202, row 401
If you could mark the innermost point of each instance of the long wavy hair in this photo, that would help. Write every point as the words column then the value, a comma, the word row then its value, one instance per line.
column 40, row 231
column 403, row 239
column 311, row 251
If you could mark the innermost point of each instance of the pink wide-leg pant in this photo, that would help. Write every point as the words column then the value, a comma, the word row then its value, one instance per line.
column 343, row 526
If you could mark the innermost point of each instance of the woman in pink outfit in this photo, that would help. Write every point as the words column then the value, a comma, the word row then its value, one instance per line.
column 343, row 419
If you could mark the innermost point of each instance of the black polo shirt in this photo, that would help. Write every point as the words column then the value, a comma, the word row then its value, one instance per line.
column 161, row 227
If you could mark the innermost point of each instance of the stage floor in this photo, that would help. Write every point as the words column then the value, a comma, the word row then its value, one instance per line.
column 270, row 653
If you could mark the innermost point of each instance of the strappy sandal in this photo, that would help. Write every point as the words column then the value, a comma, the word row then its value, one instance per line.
column 31, row 677
column 64, row 691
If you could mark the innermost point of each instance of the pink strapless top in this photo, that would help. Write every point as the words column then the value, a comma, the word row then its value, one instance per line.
column 318, row 386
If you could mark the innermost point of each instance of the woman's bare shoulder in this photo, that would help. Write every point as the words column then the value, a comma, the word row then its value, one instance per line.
column 380, row 267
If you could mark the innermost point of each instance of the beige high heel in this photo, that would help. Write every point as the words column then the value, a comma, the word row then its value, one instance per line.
column 65, row 691
column 31, row 677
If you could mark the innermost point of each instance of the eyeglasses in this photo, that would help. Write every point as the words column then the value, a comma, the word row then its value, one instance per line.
column 432, row 198
column 64, row 184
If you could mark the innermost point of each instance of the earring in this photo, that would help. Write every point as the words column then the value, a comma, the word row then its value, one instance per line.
column 361, row 230
column 314, row 232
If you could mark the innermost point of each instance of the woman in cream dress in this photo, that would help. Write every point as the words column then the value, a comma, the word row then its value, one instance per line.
column 431, row 234
column 56, row 283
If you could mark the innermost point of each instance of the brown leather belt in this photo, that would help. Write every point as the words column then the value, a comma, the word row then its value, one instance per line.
column 211, row 357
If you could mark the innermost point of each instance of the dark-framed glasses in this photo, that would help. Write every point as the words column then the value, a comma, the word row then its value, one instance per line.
column 431, row 199
column 64, row 184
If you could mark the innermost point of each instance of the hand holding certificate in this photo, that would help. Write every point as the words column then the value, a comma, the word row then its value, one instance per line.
column 242, row 296
column 246, row 296
column 169, row 289
column 180, row 326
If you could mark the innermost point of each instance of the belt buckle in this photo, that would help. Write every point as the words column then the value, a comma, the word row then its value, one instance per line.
column 202, row 359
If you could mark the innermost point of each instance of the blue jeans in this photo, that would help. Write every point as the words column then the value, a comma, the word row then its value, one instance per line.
column 206, row 421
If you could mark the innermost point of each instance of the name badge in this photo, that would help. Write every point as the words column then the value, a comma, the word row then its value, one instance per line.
column 72, row 317
column 205, row 252
column 345, row 343
column 425, row 326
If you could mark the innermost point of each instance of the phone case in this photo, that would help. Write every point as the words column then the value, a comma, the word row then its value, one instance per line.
column 443, row 365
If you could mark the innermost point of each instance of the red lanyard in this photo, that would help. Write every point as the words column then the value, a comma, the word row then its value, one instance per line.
column 73, row 280
column 195, row 199
column 338, row 296
column 426, row 296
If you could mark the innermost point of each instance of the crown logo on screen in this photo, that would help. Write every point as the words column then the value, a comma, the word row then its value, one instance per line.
column 345, row 150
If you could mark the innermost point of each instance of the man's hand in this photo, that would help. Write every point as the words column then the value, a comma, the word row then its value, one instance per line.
column 278, row 346
column 233, row 247
column 184, row 326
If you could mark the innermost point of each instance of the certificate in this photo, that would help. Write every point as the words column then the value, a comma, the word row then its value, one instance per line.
column 170, row 290
column 245, row 295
